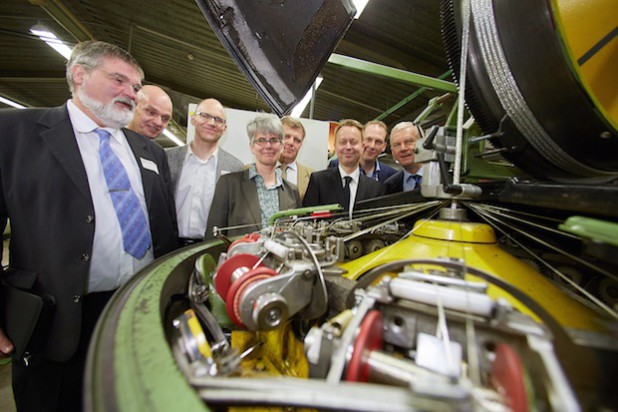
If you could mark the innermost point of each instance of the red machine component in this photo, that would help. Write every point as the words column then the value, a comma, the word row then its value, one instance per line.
column 369, row 338
column 507, row 376
column 250, row 238
column 223, row 279
column 234, row 295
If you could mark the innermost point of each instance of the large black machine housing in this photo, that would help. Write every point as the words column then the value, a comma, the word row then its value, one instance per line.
column 494, row 287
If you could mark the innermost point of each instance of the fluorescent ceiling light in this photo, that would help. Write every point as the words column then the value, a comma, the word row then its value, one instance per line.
column 52, row 41
column 360, row 6
column 298, row 110
column 11, row 103
column 173, row 138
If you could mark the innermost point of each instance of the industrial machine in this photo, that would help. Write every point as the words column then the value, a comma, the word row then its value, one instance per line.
column 493, row 288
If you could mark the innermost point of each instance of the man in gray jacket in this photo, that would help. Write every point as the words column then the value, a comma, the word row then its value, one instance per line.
column 196, row 168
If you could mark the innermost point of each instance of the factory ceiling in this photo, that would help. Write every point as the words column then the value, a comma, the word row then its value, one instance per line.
column 179, row 51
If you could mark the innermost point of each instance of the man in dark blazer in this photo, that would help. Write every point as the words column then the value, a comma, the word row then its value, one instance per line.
column 374, row 144
column 403, row 144
column 66, row 239
column 328, row 186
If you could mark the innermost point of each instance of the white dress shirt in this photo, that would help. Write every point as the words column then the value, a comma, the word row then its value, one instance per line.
column 353, row 185
column 194, row 194
column 110, row 265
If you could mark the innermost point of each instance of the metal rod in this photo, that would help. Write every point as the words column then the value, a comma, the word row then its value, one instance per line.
column 389, row 72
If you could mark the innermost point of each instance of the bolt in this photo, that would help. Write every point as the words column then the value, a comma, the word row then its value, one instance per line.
column 273, row 316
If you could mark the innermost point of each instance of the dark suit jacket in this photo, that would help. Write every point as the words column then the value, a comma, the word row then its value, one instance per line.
column 45, row 194
column 325, row 188
column 385, row 170
column 394, row 184
column 236, row 203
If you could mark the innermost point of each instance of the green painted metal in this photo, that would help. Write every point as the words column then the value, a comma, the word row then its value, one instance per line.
column 411, row 97
column 593, row 229
column 147, row 377
column 392, row 73
column 131, row 336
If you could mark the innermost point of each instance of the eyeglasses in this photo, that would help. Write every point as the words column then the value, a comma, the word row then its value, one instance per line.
column 261, row 141
column 120, row 79
column 208, row 117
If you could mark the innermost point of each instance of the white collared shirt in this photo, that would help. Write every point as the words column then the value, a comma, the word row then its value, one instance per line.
column 194, row 194
column 110, row 265
column 353, row 185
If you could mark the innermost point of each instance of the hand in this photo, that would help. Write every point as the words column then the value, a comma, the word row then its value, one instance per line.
column 6, row 346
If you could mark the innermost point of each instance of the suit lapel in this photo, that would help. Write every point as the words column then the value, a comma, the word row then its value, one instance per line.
column 335, row 182
column 221, row 164
column 303, row 176
column 361, row 190
column 176, row 160
column 60, row 138
column 249, row 191
column 140, row 152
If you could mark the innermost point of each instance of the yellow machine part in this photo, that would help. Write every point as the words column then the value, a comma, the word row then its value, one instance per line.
column 475, row 244
column 586, row 28
column 273, row 353
column 198, row 333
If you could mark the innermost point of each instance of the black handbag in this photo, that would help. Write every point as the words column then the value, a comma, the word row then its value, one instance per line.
column 25, row 318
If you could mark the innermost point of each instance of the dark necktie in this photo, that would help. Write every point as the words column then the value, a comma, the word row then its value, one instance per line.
column 416, row 179
column 346, row 193
column 133, row 224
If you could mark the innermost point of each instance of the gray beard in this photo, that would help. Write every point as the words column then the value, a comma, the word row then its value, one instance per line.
column 108, row 114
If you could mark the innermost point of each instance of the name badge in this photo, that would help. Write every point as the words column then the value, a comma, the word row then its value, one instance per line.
column 149, row 165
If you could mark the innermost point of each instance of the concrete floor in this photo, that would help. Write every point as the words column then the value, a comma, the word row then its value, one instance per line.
column 6, row 392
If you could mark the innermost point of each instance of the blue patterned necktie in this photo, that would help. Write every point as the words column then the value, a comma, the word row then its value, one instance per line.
column 133, row 224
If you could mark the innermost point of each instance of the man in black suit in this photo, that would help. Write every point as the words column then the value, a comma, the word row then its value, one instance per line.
column 374, row 144
column 67, row 239
column 343, row 184
column 403, row 145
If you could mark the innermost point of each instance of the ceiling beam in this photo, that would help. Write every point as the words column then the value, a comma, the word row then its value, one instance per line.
column 65, row 18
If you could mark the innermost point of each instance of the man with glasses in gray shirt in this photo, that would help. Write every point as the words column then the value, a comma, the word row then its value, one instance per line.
column 196, row 168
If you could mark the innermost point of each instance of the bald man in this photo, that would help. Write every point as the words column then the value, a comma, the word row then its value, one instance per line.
column 153, row 112
column 196, row 168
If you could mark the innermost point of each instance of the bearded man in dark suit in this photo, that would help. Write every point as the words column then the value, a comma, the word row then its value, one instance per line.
column 70, row 239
